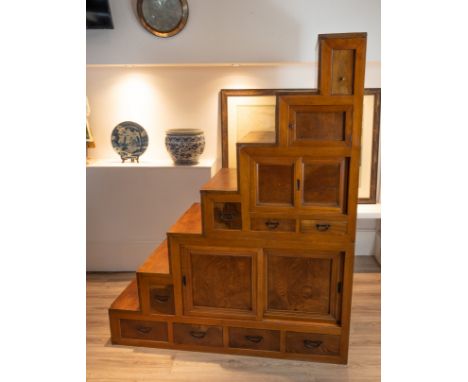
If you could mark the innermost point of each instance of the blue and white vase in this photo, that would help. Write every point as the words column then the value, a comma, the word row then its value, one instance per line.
column 185, row 145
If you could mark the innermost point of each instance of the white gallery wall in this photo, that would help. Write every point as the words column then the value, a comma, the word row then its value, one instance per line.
column 227, row 31
column 175, row 82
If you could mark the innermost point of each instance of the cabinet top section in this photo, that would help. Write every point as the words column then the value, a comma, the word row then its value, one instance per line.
column 343, row 35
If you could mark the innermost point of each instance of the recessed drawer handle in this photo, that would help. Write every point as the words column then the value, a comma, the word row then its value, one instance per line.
column 272, row 224
column 322, row 227
column 161, row 298
column 198, row 335
column 227, row 216
column 254, row 339
column 143, row 329
column 309, row 344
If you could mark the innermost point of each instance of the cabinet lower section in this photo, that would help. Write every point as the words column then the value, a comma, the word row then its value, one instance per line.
column 278, row 340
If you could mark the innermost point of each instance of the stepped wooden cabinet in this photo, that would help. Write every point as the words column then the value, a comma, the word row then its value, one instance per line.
column 264, row 265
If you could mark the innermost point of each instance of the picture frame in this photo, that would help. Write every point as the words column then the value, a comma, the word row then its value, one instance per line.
column 89, row 135
column 244, row 109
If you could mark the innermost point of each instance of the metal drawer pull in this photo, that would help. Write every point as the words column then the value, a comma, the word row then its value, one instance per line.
column 272, row 224
column 322, row 227
column 254, row 339
column 226, row 216
column 160, row 298
column 144, row 329
column 309, row 344
column 198, row 335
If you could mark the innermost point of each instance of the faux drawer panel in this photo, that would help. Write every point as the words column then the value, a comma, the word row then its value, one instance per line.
column 311, row 343
column 187, row 334
column 325, row 227
column 273, row 224
column 258, row 339
column 144, row 330
column 162, row 299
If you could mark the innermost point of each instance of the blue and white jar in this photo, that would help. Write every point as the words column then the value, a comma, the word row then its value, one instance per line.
column 185, row 145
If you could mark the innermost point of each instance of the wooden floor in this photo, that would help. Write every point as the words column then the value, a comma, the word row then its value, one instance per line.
column 107, row 362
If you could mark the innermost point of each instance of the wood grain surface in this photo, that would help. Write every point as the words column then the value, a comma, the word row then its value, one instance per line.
column 113, row 363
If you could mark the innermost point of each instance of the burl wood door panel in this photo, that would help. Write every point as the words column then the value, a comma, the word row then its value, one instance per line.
column 342, row 80
column 219, row 282
column 274, row 182
column 324, row 184
column 319, row 125
column 303, row 284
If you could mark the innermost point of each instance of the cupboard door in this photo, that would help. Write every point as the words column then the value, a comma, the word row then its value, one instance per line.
column 303, row 284
column 324, row 183
column 312, row 124
column 273, row 180
column 219, row 282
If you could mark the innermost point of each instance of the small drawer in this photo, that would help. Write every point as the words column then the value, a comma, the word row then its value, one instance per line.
column 324, row 226
column 227, row 215
column 161, row 299
column 187, row 334
column 144, row 330
column 258, row 339
column 273, row 224
column 312, row 343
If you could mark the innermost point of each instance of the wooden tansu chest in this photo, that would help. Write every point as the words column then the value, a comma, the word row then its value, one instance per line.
column 264, row 265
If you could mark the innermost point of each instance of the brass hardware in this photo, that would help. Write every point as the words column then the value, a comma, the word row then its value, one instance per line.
column 144, row 329
column 309, row 344
column 322, row 227
column 272, row 224
column 160, row 298
column 226, row 216
column 339, row 287
column 198, row 335
column 254, row 339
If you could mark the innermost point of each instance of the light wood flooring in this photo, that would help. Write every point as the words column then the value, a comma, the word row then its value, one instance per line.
column 107, row 362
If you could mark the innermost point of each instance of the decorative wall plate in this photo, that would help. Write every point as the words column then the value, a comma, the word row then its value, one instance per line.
column 130, row 140
column 163, row 18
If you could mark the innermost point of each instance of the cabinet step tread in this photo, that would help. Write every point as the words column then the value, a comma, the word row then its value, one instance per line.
column 258, row 138
column 224, row 180
column 157, row 262
column 128, row 300
column 189, row 223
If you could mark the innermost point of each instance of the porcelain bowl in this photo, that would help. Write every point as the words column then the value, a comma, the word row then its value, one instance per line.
column 185, row 145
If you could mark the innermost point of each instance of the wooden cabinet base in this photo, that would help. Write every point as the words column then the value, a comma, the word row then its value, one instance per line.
column 271, row 341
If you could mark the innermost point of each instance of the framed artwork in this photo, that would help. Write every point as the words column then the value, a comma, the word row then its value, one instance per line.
column 248, row 110
column 89, row 136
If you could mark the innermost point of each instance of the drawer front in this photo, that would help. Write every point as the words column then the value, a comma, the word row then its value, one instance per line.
column 312, row 343
column 324, row 227
column 144, row 330
column 187, row 334
column 162, row 299
column 273, row 224
column 227, row 215
column 258, row 339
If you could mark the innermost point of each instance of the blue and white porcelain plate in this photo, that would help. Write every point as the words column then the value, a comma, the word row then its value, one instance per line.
column 129, row 139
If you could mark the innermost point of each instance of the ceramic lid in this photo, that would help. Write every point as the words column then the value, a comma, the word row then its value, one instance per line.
column 184, row 132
